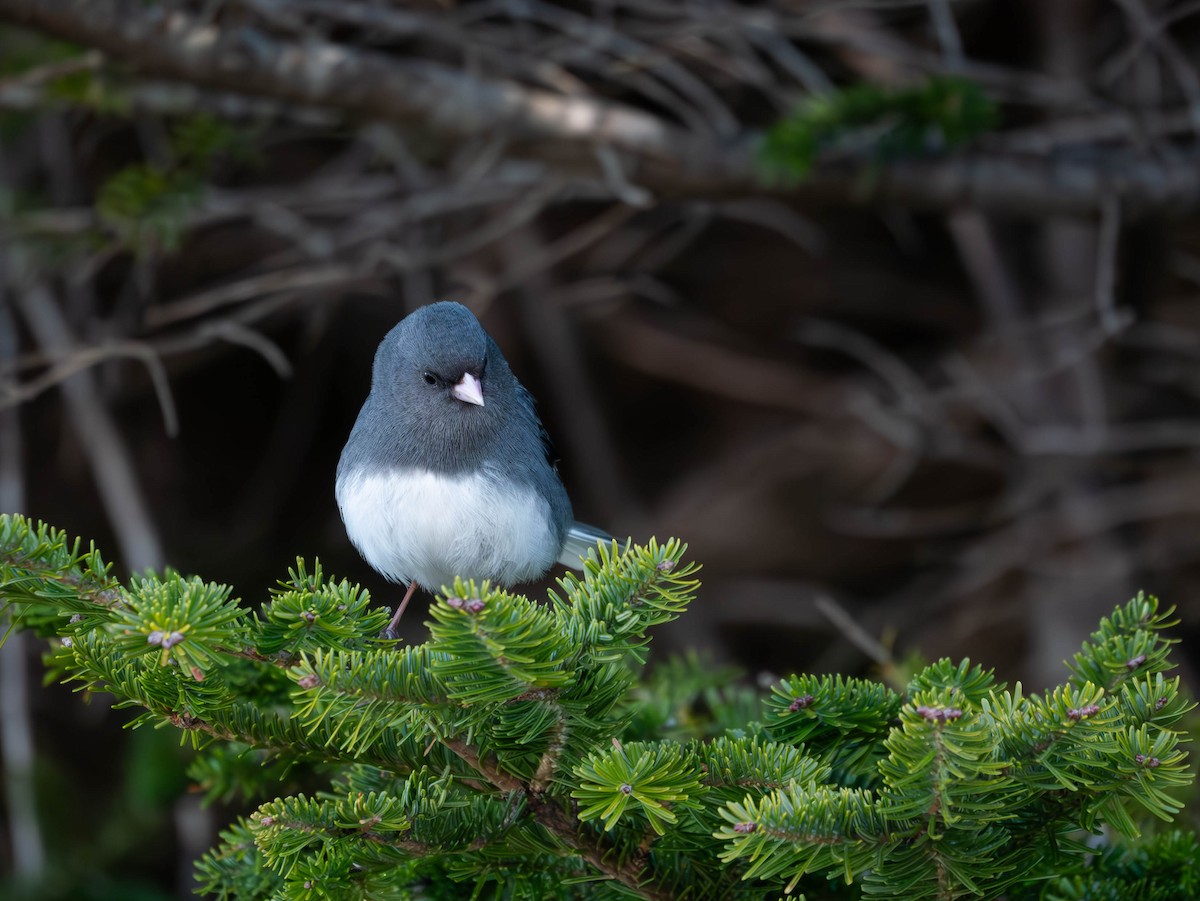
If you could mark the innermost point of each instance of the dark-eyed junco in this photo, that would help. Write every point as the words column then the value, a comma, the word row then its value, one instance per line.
column 448, row 470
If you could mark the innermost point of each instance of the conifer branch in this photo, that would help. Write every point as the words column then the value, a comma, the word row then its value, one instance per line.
column 518, row 747
column 562, row 824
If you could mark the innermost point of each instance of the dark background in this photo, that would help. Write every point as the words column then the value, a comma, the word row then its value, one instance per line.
column 951, row 395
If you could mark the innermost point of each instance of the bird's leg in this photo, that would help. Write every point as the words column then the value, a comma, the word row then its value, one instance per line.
column 390, row 631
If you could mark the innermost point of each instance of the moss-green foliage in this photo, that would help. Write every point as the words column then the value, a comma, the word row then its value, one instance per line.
column 146, row 206
column 884, row 123
column 521, row 752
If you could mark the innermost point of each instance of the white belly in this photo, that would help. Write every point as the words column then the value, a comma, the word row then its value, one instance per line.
column 416, row 524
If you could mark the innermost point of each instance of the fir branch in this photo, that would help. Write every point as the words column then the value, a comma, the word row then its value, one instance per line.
column 761, row 765
column 621, row 595
column 48, row 576
column 309, row 612
column 485, row 753
column 561, row 823
column 236, row 869
column 1128, row 643
column 653, row 778
column 496, row 646
column 800, row 828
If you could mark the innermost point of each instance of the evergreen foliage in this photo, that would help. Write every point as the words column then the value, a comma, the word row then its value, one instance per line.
column 940, row 114
column 522, row 753
column 148, row 206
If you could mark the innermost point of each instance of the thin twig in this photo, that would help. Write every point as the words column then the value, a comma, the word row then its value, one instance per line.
column 1106, row 268
column 326, row 276
column 947, row 32
column 874, row 650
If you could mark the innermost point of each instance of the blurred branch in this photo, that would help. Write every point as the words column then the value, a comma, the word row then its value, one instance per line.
column 565, row 130
column 232, row 329
column 34, row 91
column 243, row 59
column 106, row 451
column 1022, row 185
column 878, row 653
column 16, row 725
column 1152, row 31
column 79, row 359
column 719, row 370
column 333, row 276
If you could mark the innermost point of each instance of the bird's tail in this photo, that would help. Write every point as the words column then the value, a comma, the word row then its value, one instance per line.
column 580, row 539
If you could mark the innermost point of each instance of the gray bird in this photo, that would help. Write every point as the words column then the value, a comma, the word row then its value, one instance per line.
column 448, row 470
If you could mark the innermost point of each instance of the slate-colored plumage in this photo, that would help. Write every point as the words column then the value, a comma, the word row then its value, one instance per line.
column 448, row 470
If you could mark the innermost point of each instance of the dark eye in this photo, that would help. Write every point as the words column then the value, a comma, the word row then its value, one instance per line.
column 430, row 378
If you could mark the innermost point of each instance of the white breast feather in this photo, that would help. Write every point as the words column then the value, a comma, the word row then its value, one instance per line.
column 417, row 524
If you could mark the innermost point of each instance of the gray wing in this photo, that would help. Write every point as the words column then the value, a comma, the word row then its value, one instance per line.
column 578, row 539
column 530, row 405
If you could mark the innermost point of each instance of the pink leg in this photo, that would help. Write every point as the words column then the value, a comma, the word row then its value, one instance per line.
column 390, row 631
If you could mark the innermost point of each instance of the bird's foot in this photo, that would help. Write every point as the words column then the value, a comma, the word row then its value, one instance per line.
column 392, row 632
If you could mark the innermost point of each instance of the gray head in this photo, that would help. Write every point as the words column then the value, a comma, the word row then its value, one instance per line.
column 440, row 390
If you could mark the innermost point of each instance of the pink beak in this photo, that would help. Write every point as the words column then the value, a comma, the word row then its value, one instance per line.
column 468, row 390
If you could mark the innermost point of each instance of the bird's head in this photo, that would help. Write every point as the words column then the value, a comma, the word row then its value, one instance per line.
column 441, row 375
